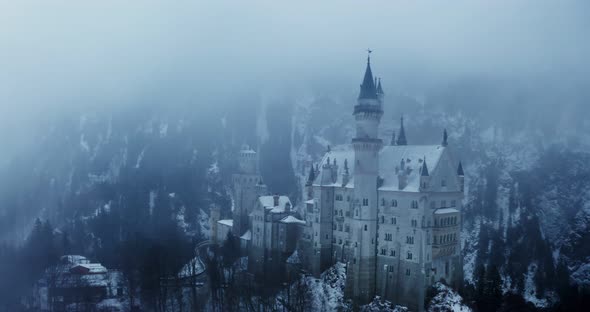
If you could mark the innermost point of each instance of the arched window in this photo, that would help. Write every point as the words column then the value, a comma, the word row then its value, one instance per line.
column 382, row 201
column 382, row 219
column 414, row 204
column 365, row 227
column 393, row 203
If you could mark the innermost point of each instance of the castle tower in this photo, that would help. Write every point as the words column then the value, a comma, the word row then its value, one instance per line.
column 247, row 187
column 360, row 283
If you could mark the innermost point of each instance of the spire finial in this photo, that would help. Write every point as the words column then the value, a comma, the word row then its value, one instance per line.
column 368, row 88
column 401, row 138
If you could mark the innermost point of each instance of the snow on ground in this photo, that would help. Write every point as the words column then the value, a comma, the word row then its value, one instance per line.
column 470, row 240
column 328, row 291
column 378, row 305
column 204, row 224
column 152, row 201
column 447, row 299
column 139, row 158
column 530, row 291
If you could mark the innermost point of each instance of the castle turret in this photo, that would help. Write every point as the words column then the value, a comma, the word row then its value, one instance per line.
column 461, row 176
column 360, row 283
column 248, row 186
column 424, row 176
column 401, row 138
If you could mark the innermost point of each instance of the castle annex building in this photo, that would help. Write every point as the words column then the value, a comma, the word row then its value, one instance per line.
column 391, row 212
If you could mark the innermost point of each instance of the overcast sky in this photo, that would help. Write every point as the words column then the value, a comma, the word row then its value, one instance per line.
column 67, row 55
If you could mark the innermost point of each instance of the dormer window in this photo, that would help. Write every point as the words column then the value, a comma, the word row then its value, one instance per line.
column 393, row 203
column 414, row 204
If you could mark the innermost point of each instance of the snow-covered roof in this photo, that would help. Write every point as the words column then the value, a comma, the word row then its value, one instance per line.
column 294, row 258
column 292, row 219
column 193, row 268
column 226, row 222
column 247, row 235
column 74, row 259
column 93, row 268
column 310, row 201
column 446, row 210
column 268, row 203
column 390, row 158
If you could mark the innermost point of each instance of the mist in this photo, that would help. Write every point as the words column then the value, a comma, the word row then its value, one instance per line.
column 62, row 56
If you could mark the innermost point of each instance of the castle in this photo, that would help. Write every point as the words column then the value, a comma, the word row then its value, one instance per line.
column 391, row 213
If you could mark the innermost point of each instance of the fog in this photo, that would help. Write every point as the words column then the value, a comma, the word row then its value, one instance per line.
column 70, row 56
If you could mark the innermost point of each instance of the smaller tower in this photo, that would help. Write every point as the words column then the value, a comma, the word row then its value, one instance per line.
column 445, row 137
column 461, row 176
column 424, row 176
column 401, row 138
column 392, row 143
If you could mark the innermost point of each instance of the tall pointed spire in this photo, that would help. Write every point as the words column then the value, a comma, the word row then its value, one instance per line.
column 311, row 176
column 379, row 88
column 424, row 170
column 368, row 89
column 401, row 138
column 392, row 139
column 445, row 137
column 460, row 170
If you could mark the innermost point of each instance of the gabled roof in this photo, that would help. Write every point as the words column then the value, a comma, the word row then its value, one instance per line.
column 247, row 235
column 226, row 222
column 390, row 158
column 268, row 203
column 292, row 219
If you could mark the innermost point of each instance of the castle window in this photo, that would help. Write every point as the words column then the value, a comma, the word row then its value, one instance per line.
column 326, row 236
column 334, row 227
column 383, row 252
column 365, row 227
column 392, row 253
column 408, row 272
column 393, row 220
column 390, row 268
column 393, row 203
column 409, row 256
column 348, row 198
column 410, row 240
column 354, row 261
column 335, row 212
column 338, row 197
column 414, row 223
column 382, row 219
column 341, row 212
column 340, row 241
column 365, row 202
column 443, row 183
column 382, row 201
column 388, row 236
column 443, row 204
column 346, row 228
column 432, row 205
column 414, row 204
column 340, row 227
column 453, row 203
column 356, row 212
